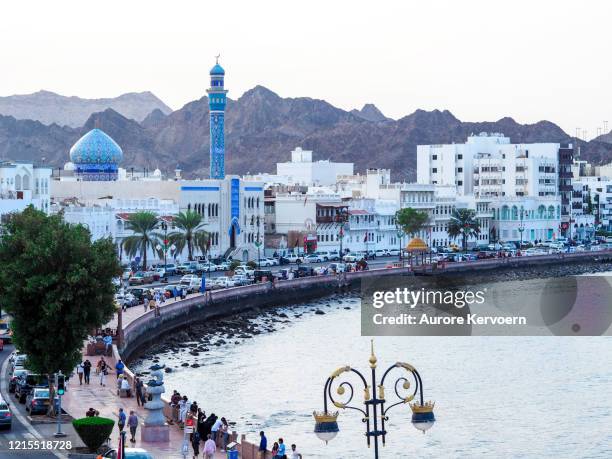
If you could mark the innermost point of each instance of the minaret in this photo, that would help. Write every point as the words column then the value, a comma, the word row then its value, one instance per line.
column 216, row 104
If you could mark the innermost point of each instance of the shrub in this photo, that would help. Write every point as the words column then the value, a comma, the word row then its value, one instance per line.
column 93, row 431
column 234, row 264
column 251, row 264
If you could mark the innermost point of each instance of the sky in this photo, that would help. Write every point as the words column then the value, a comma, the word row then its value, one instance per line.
column 482, row 60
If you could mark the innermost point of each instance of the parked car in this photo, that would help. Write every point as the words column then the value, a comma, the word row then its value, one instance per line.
column 169, row 290
column 18, row 361
column 350, row 258
column 224, row 282
column 313, row 258
column 37, row 400
column 16, row 374
column 26, row 383
column 243, row 269
column 130, row 453
column 394, row 252
column 260, row 274
column 337, row 267
column 141, row 278
column 223, row 266
column 6, row 416
column 265, row 263
column 241, row 279
column 126, row 299
column 292, row 258
column 160, row 273
column 283, row 260
column 207, row 267
column 191, row 283
column 138, row 292
column 304, row 271
column 188, row 268
column 381, row 253
column 170, row 269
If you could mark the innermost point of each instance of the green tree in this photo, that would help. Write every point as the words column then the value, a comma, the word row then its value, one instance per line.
column 56, row 285
column 191, row 233
column 410, row 220
column 144, row 225
column 463, row 224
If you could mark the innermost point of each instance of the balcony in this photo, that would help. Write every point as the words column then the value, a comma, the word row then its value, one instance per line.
column 566, row 188
column 577, row 206
column 563, row 174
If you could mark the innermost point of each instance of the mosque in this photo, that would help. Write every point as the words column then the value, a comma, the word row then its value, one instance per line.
column 93, row 189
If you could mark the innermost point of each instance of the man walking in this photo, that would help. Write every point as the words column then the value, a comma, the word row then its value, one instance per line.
column 282, row 452
column 119, row 367
column 294, row 452
column 263, row 445
column 122, row 418
column 139, row 390
column 86, row 370
column 209, row 448
column 133, row 423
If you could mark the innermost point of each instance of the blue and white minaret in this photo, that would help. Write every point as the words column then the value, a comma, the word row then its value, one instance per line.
column 216, row 103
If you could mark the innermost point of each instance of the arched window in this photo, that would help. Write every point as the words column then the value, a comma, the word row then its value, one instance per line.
column 26, row 183
column 258, row 202
column 541, row 212
column 551, row 212
column 18, row 182
column 514, row 213
column 505, row 213
column 209, row 205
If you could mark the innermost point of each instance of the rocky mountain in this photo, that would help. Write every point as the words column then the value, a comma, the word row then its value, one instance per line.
column 262, row 128
column 49, row 107
column 370, row 112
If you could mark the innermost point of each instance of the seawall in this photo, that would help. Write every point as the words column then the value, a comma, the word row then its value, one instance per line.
column 233, row 301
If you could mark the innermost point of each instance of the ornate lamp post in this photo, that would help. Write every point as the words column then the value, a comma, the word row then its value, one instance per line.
column 258, row 245
column 343, row 218
column 521, row 228
column 164, row 227
column 400, row 235
column 375, row 413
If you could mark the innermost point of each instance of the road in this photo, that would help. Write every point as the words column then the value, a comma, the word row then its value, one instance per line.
column 21, row 430
column 376, row 263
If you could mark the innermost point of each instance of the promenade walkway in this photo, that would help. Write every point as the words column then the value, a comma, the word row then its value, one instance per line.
column 79, row 398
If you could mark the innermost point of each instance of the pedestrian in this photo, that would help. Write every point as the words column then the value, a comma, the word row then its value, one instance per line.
column 119, row 367
column 282, row 453
column 274, row 451
column 86, row 370
column 103, row 373
column 133, row 423
column 200, row 426
column 224, row 432
column 122, row 419
column 125, row 385
column 108, row 343
column 294, row 452
column 193, row 408
column 90, row 413
column 263, row 445
column 215, row 430
column 146, row 303
column 209, row 448
column 80, row 370
column 195, row 444
column 139, row 391
column 183, row 404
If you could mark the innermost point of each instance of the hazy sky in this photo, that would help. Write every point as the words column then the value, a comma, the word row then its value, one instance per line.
column 481, row 60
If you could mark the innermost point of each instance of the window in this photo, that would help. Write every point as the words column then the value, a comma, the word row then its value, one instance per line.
column 460, row 182
column 434, row 157
column 460, row 169
column 434, row 170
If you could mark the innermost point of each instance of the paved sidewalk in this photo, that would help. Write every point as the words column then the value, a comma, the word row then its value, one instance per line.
column 79, row 399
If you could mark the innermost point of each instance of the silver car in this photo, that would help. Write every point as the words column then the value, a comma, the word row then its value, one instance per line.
column 6, row 416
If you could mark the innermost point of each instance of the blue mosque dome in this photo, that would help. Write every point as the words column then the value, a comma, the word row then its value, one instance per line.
column 217, row 70
column 96, row 156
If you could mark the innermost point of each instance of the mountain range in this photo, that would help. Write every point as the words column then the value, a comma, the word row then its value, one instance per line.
column 262, row 128
column 49, row 107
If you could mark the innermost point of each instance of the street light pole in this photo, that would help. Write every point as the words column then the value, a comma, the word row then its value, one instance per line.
column 326, row 423
column 521, row 229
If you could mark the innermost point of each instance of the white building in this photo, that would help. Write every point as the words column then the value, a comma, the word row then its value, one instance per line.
column 489, row 165
column 23, row 184
column 302, row 170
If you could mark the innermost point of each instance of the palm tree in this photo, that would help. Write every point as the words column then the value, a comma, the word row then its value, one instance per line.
column 143, row 224
column 463, row 223
column 191, row 233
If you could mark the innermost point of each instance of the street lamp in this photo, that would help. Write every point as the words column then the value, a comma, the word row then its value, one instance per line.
column 400, row 235
column 164, row 226
column 258, row 245
column 521, row 228
column 326, row 423
column 343, row 219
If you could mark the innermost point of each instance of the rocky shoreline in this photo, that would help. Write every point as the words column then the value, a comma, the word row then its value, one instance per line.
column 199, row 340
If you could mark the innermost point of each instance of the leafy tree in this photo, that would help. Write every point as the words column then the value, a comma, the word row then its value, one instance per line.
column 411, row 220
column 191, row 233
column 57, row 286
column 143, row 224
column 463, row 223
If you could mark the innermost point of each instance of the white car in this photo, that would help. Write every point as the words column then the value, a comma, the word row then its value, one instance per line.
column 243, row 269
column 207, row 267
column 225, row 282
column 350, row 258
column 313, row 258
column 190, row 278
column 381, row 253
column 294, row 258
column 394, row 252
column 266, row 263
